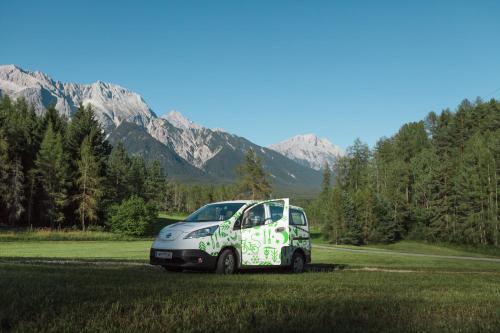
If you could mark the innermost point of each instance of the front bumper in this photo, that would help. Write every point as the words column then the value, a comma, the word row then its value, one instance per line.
column 189, row 259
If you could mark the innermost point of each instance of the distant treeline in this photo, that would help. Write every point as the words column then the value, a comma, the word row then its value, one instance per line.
column 60, row 173
column 436, row 179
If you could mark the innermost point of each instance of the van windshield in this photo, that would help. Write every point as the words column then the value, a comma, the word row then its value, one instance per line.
column 215, row 212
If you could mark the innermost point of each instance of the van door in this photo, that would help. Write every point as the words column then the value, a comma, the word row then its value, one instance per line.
column 299, row 232
column 264, row 232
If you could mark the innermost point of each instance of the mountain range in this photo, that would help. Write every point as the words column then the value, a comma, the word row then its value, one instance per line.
column 187, row 151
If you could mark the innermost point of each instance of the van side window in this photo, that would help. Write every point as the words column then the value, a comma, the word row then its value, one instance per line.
column 297, row 217
column 276, row 210
column 254, row 217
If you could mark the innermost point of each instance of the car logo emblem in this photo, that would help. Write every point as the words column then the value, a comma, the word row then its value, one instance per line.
column 168, row 235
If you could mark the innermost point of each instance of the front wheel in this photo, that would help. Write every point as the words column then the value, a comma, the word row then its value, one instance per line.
column 226, row 264
column 298, row 263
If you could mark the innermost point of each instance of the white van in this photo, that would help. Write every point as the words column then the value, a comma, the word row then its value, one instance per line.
column 227, row 236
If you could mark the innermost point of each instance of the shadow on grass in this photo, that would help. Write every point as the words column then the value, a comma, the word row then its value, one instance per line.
column 39, row 298
column 326, row 267
column 312, row 268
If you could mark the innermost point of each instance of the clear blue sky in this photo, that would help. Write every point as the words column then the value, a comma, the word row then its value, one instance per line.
column 338, row 69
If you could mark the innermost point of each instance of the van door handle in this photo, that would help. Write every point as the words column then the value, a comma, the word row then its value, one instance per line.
column 280, row 229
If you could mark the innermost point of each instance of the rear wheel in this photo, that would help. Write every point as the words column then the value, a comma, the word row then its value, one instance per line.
column 298, row 263
column 226, row 264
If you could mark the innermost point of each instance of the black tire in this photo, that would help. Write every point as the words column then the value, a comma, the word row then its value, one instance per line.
column 173, row 269
column 298, row 264
column 226, row 264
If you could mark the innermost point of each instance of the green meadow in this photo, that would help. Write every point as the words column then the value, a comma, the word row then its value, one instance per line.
column 95, row 282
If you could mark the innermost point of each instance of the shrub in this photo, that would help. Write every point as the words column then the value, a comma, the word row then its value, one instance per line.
column 93, row 227
column 132, row 217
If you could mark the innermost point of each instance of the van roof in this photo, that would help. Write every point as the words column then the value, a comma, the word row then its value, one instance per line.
column 235, row 201
column 251, row 202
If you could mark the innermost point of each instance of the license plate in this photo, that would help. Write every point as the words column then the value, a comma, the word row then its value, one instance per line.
column 163, row 255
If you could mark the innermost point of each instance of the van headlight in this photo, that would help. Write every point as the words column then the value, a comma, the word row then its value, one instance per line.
column 209, row 231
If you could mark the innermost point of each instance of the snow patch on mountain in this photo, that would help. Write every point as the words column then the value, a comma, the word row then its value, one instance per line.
column 309, row 150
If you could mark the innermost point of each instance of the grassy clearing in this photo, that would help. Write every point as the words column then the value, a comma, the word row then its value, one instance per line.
column 138, row 250
column 364, row 292
column 124, row 298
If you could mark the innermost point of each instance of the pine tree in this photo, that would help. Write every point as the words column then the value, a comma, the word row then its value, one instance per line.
column 476, row 189
column 52, row 116
column 15, row 197
column 253, row 180
column 386, row 228
column 89, row 183
column 118, row 171
column 322, row 208
column 155, row 184
column 358, row 156
column 338, row 225
column 365, row 206
column 52, row 173
column 424, row 167
column 352, row 234
column 21, row 130
column 4, row 172
column 327, row 180
column 84, row 124
column 137, row 176
column 444, row 198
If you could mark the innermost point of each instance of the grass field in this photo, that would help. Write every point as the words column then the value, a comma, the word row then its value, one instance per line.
column 107, row 285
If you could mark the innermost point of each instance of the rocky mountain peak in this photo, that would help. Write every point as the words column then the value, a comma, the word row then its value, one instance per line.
column 178, row 120
column 310, row 150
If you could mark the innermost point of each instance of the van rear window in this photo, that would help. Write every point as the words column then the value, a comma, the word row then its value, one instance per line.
column 297, row 217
